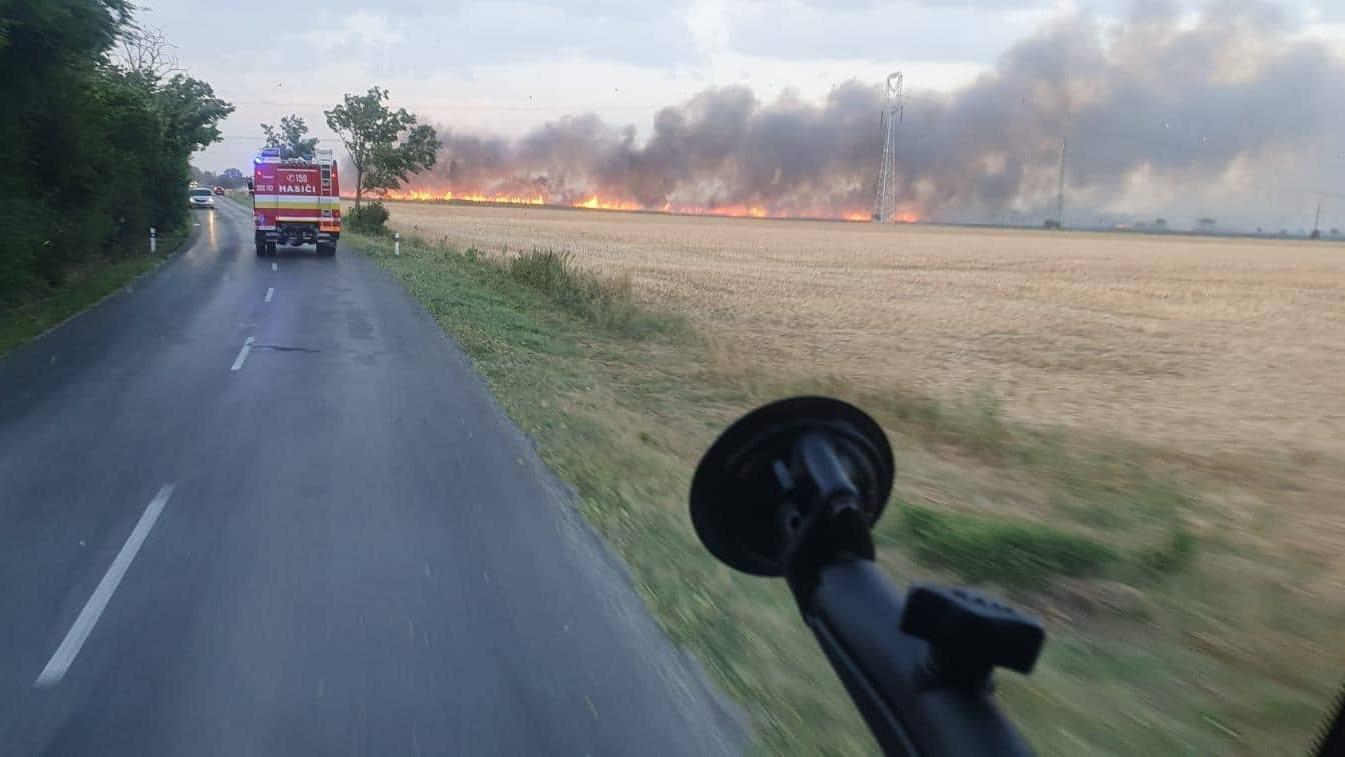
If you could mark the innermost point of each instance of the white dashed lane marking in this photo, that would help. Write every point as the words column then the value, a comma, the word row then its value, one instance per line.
column 93, row 609
column 243, row 354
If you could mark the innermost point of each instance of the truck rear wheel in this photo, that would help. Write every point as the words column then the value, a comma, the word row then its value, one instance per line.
column 261, row 249
column 271, row 249
column 326, row 250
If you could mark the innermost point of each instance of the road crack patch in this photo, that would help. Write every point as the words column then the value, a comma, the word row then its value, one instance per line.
column 283, row 348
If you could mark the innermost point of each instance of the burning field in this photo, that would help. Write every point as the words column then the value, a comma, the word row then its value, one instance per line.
column 1193, row 342
column 1153, row 113
column 1184, row 389
column 1138, row 436
column 596, row 202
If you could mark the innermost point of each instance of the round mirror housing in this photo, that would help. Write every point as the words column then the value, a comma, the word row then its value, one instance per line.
column 752, row 488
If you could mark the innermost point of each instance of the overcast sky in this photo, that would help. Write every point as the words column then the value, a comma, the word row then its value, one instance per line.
column 504, row 67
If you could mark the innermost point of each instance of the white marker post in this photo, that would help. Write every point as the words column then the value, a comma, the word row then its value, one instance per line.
column 397, row 244
column 153, row 239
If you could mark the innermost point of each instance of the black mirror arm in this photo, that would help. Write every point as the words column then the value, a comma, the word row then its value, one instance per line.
column 794, row 489
column 918, row 668
column 910, row 702
column 833, row 526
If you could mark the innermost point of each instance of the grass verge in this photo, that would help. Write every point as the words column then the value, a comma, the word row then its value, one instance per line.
column 1165, row 636
column 83, row 286
column 992, row 550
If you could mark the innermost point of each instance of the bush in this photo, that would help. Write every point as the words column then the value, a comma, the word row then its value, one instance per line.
column 370, row 218
column 1014, row 554
column 553, row 274
column 1176, row 554
column 607, row 302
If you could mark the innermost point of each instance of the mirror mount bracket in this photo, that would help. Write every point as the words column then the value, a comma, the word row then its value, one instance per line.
column 834, row 527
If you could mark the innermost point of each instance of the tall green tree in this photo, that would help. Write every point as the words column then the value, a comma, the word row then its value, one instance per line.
column 96, row 129
column 291, row 137
column 232, row 178
column 384, row 146
column 49, row 53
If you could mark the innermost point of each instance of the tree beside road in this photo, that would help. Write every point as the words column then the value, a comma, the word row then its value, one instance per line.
column 291, row 138
column 384, row 146
column 95, row 136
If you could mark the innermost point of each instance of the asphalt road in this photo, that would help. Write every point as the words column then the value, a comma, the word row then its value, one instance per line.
column 341, row 547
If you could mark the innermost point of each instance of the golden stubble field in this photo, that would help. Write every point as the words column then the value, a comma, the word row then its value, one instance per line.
column 1218, row 357
column 1205, row 345
column 1229, row 353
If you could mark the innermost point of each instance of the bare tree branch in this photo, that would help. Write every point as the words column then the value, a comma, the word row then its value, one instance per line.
column 146, row 52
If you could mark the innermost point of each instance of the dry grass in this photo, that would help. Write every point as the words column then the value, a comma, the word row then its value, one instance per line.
column 1210, row 342
column 1214, row 357
column 1226, row 350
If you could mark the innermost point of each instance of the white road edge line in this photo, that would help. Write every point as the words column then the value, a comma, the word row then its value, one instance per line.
column 270, row 292
column 93, row 609
column 243, row 353
column 274, row 268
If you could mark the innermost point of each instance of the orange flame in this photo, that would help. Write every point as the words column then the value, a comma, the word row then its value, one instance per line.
column 599, row 202
column 422, row 196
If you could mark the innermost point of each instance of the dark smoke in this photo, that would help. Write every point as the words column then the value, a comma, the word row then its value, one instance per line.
column 1217, row 116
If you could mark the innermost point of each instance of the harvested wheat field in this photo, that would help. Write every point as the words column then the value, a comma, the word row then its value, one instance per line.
column 1193, row 382
column 1202, row 344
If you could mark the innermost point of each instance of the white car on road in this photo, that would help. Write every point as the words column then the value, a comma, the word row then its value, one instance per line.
column 201, row 198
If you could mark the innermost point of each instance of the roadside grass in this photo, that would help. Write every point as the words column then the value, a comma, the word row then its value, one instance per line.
column 1168, row 633
column 83, row 286
column 992, row 550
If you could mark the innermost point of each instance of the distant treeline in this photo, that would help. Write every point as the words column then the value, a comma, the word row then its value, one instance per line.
column 97, row 124
column 229, row 178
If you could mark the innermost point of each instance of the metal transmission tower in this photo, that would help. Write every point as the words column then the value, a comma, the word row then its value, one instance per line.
column 1058, row 222
column 885, row 204
column 1060, row 184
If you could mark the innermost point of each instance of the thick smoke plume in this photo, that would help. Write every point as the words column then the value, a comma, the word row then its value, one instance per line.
column 1236, row 113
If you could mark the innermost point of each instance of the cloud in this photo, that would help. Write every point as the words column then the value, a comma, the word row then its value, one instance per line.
column 514, row 32
column 1001, row 5
column 884, row 32
column 347, row 33
column 431, row 36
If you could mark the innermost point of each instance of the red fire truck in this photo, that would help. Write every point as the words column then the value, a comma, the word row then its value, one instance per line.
column 296, row 202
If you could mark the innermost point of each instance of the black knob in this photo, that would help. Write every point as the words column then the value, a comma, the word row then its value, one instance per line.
column 972, row 629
